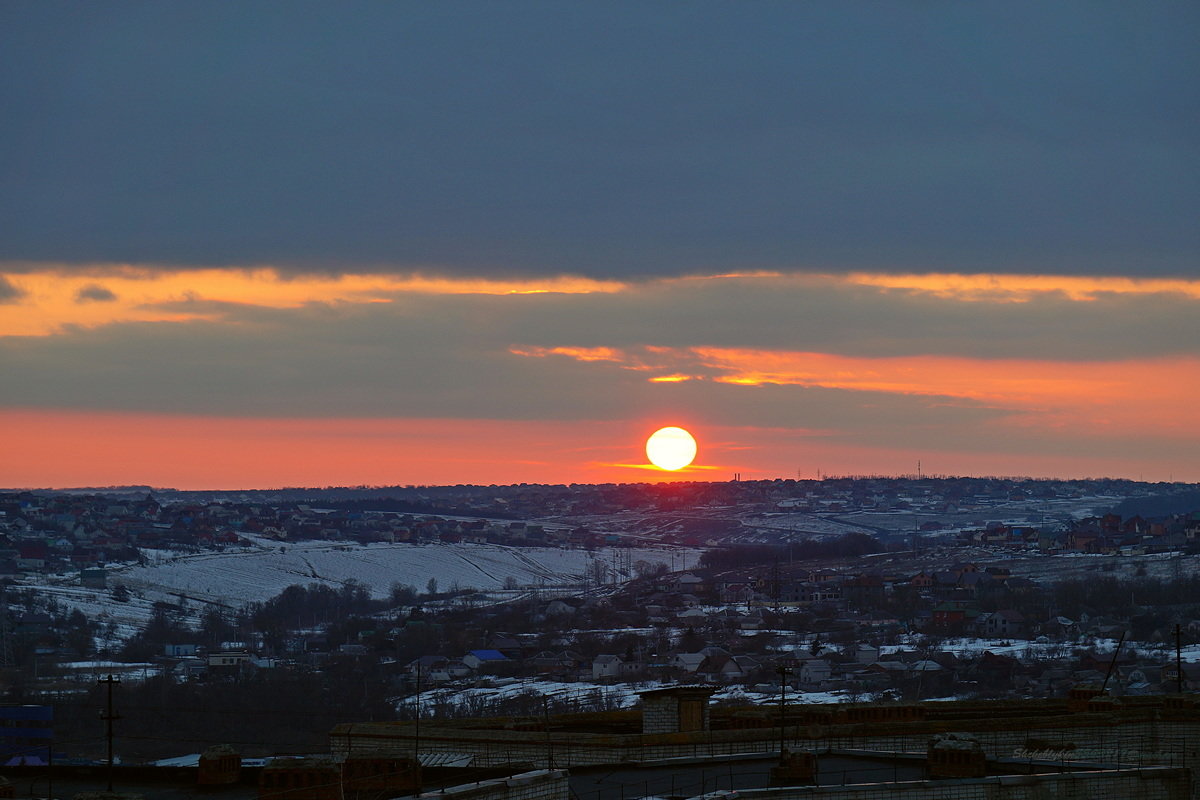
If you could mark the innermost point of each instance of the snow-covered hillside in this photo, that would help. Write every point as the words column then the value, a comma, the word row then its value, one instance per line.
column 267, row 567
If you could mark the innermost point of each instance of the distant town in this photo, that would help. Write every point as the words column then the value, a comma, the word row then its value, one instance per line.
column 838, row 591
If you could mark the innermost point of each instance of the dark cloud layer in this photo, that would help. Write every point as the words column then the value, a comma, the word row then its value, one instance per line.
column 95, row 293
column 605, row 139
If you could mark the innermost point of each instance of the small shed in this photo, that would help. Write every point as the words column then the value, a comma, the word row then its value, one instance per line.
column 93, row 578
column 219, row 765
column 678, row 709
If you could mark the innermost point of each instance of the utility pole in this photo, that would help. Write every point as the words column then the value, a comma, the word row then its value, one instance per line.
column 546, row 725
column 782, row 670
column 108, row 716
column 1178, row 660
column 775, row 584
column 417, row 727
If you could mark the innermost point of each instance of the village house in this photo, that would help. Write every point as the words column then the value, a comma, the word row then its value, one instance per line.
column 1006, row 623
column 612, row 667
column 481, row 659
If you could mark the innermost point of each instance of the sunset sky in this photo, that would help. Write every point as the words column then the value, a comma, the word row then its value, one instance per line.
column 275, row 244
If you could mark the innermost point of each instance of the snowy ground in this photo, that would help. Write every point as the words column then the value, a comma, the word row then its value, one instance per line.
column 584, row 696
column 970, row 647
column 1029, row 510
column 269, row 567
column 118, row 621
column 263, row 570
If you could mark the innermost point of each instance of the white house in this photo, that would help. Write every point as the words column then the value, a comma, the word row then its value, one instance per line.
column 610, row 666
column 688, row 662
column 866, row 654
column 814, row 671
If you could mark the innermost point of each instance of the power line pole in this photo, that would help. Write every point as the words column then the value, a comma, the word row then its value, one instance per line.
column 1178, row 660
column 783, row 671
column 417, row 729
column 108, row 716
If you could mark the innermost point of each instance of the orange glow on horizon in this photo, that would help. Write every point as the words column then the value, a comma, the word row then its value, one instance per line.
column 194, row 452
column 189, row 452
column 670, row 472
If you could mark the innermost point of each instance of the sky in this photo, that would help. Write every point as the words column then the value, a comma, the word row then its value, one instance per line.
column 265, row 244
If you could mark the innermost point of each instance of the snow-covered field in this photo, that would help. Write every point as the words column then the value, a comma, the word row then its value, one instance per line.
column 267, row 567
column 118, row 621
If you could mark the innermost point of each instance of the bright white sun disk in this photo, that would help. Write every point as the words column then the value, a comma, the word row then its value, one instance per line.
column 670, row 448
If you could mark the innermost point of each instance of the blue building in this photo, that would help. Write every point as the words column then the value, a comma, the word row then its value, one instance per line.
column 26, row 733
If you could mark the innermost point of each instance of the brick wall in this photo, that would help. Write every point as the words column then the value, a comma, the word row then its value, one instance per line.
column 660, row 714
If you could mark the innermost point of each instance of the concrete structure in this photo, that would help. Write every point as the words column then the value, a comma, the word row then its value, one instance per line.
column 795, row 769
column 1154, row 783
column 333, row 779
column 300, row 779
column 676, row 710
column 956, row 755
column 373, row 778
column 545, row 784
column 220, row 765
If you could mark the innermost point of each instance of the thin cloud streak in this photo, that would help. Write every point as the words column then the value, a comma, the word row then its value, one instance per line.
column 52, row 294
column 996, row 288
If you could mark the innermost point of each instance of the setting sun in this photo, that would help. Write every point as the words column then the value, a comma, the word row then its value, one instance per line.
column 671, row 448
